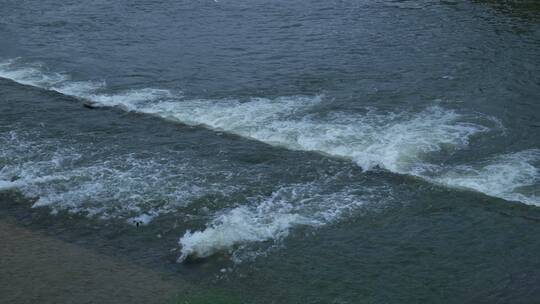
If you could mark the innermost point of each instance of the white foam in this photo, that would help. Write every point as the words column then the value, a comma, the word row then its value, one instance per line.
column 271, row 218
column 36, row 75
column 117, row 185
column 30, row 74
column 505, row 176
column 394, row 141
column 6, row 185
column 399, row 141
column 240, row 225
column 130, row 100
column 79, row 88
column 143, row 219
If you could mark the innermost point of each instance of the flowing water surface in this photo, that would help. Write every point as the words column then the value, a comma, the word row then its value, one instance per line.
column 286, row 151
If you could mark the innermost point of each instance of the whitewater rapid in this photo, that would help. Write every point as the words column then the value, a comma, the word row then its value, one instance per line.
column 401, row 142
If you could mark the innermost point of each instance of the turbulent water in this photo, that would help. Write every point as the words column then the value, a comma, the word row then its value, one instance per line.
column 256, row 129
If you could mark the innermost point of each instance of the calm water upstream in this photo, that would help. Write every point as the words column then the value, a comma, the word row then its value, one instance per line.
column 286, row 151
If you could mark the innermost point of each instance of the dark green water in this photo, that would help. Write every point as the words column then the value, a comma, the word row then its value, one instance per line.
column 283, row 151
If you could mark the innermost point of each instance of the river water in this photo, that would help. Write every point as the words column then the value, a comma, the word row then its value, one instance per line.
column 287, row 151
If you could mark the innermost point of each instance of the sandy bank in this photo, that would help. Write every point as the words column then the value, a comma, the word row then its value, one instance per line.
column 35, row 268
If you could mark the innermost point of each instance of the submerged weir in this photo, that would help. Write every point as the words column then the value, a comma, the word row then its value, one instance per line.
column 285, row 151
column 405, row 142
